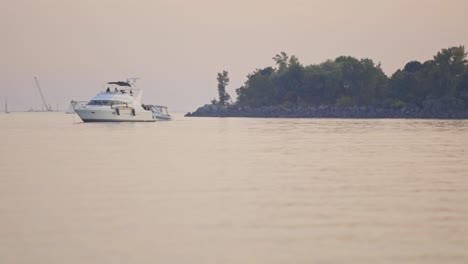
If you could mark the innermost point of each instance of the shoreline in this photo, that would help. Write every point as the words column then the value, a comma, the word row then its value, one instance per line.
column 358, row 112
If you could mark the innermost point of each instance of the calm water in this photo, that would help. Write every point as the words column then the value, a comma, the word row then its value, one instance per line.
column 212, row 190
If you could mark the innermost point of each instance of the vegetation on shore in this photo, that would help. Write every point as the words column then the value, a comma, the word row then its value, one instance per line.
column 438, row 84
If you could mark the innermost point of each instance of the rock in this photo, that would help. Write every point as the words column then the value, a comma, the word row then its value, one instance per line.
column 210, row 110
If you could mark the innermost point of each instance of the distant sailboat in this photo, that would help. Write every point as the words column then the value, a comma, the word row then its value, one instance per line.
column 6, row 106
column 45, row 105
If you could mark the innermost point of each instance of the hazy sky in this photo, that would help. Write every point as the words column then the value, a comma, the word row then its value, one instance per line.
column 176, row 47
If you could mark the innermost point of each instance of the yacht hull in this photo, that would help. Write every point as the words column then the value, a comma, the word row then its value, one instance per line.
column 114, row 115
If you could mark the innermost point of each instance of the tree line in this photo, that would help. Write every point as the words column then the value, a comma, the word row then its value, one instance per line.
column 440, row 83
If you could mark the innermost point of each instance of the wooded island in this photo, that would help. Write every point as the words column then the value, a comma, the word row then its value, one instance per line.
column 349, row 87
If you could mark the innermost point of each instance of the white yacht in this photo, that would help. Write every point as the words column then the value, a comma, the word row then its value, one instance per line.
column 120, row 102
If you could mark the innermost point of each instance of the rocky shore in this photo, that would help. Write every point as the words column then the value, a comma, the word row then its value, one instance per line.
column 210, row 110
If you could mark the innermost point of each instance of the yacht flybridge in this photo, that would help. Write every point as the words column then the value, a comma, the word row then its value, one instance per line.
column 121, row 102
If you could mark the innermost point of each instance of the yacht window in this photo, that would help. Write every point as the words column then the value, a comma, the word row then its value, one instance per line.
column 105, row 102
column 116, row 102
column 95, row 102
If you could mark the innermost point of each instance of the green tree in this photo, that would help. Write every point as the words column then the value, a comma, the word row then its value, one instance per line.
column 223, row 81
column 258, row 90
column 413, row 66
column 463, row 88
column 438, row 84
column 281, row 61
column 406, row 87
column 447, row 71
column 434, row 84
column 287, row 79
column 362, row 80
column 321, row 83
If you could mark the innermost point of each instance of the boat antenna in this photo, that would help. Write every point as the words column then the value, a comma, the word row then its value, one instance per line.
column 48, row 108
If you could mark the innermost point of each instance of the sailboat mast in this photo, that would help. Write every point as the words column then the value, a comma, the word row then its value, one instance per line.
column 6, row 105
column 44, row 103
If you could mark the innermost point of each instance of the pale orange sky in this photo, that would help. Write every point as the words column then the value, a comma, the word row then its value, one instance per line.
column 177, row 47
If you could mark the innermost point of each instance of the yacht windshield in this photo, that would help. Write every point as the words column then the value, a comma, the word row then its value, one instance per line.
column 105, row 102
